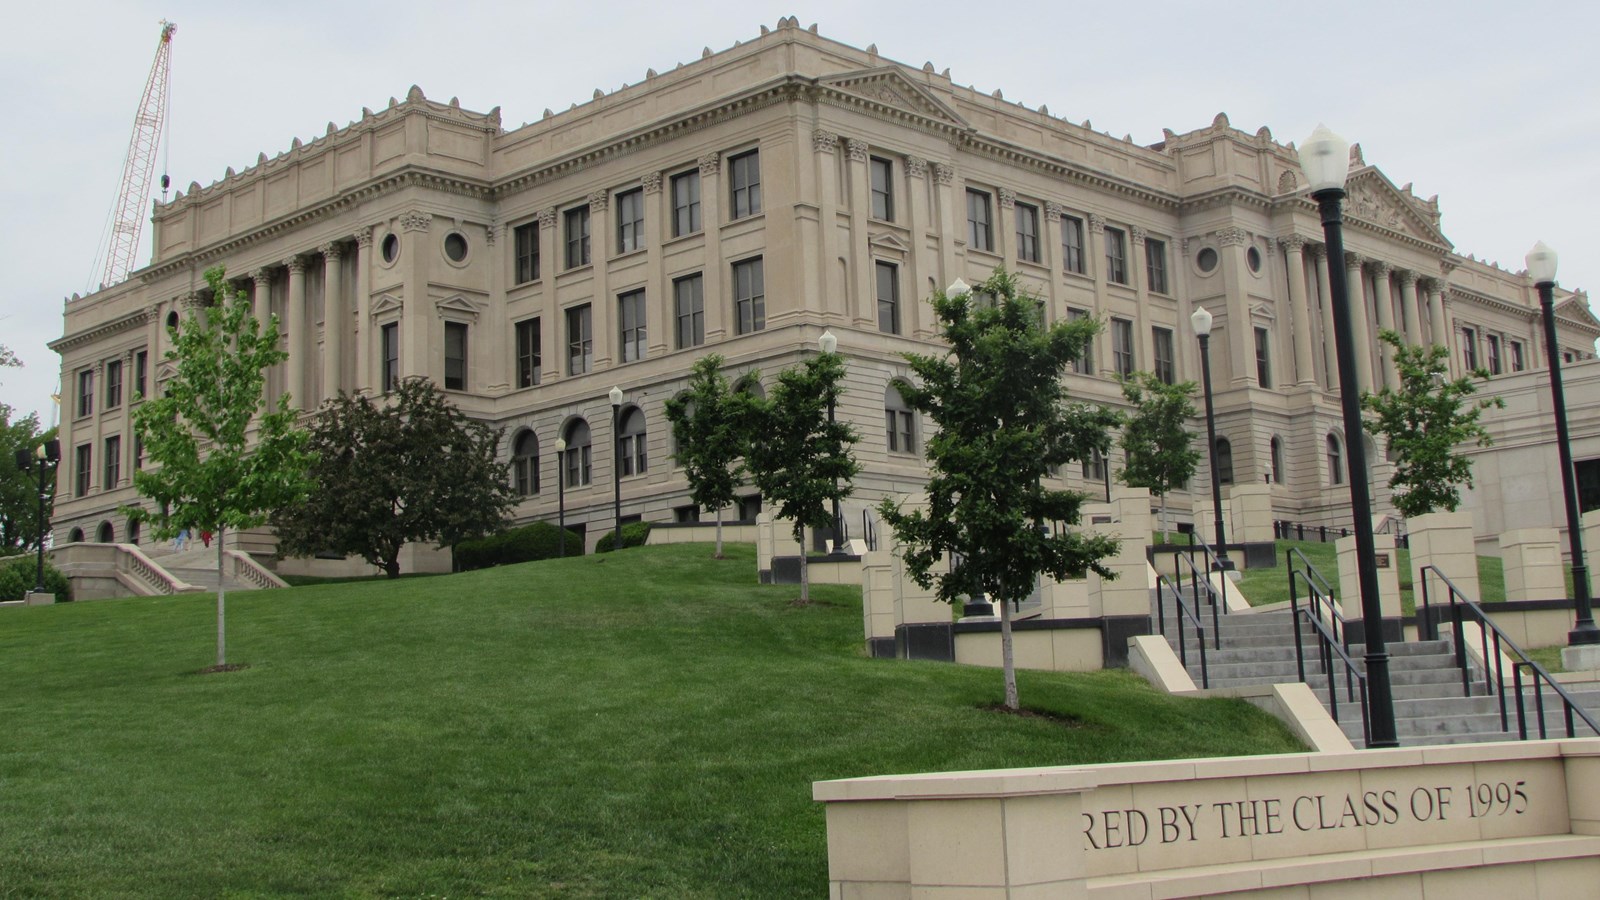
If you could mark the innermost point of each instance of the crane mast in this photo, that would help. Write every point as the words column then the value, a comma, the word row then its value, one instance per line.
column 127, row 217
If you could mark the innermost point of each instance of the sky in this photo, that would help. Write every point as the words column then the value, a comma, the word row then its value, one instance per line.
column 1461, row 99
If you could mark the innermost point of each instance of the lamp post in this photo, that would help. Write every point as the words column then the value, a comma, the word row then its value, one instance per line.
column 1201, row 320
column 616, row 465
column 977, row 605
column 1542, row 269
column 829, row 344
column 41, row 457
column 561, row 497
column 1325, row 159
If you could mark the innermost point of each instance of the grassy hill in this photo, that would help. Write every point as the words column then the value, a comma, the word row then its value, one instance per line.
column 639, row 724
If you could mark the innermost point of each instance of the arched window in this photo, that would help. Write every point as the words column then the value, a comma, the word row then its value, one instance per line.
column 75, row 536
column 133, row 532
column 172, row 320
column 899, row 421
column 1335, row 461
column 749, row 384
column 1277, row 461
column 577, row 461
column 525, row 464
column 630, row 443
column 1224, row 460
column 106, row 534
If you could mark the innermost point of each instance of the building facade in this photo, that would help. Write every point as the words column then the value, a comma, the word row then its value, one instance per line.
column 742, row 204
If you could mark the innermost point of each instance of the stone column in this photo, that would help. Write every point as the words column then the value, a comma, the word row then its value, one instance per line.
column 1408, row 302
column 1532, row 558
column 603, row 311
column 1330, row 364
column 1383, row 299
column 1360, row 323
column 1300, row 311
column 1436, row 320
column 491, row 355
column 553, row 322
column 1096, row 252
column 920, row 264
column 261, row 308
column 334, row 319
column 1445, row 541
column 1138, row 276
column 365, row 334
column 421, row 333
column 1005, row 226
column 298, row 345
column 833, row 300
column 861, row 292
column 1050, row 239
column 720, row 322
column 663, row 324
column 1240, row 345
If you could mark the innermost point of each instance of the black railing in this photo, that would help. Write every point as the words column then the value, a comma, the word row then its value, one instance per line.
column 869, row 529
column 1285, row 530
column 1182, row 610
column 1184, row 567
column 1496, row 647
column 1321, row 612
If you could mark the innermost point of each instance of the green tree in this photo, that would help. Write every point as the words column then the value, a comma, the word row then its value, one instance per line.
column 19, row 488
column 999, row 402
column 1156, row 445
column 1425, row 420
column 708, row 425
column 219, row 456
column 8, row 358
column 799, row 459
column 411, row 467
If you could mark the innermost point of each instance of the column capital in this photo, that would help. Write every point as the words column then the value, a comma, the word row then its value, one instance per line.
column 916, row 167
column 710, row 164
column 1317, row 251
column 1052, row 211
column 1137, row 234
column 1097, row 223
column 262, row 277
column 823, row 141
column 652, row 182
column 597, row 201
column 1232, row 237
column 1008, row 198
column 363, row 237
column 547, row 217
column 1293, row 243
column 1406, row 276
column 857, row 150
column 295, row 264
column 331, row 250
column 943, row 173
column 1352, row 260
column 1379, row 268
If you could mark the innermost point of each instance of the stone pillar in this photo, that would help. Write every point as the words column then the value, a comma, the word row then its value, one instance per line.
column 1251, row 508
column 861, row 292
column 833, row 299
column 1591, row 545
column 662, row 327
column 421, row 332
column 920, row 263
column 1205, row 519
column 1532, row 558
column 1361, row 336
column 1436, row 322
column 1095, row 257
column 365, row 333
column 1383, row 297
column 1445, row 541
column 334, row 320
column 1240, row 344
column 1327, row 358
column 1300, row 311
column 1005, row 227
column 1139, row 277
column 1408, row 302
column 720, row 321
column 1388, row 576
column 878, row 575
column 944, row 176
column 261, row 309
column 603, row 308
column 298, row 344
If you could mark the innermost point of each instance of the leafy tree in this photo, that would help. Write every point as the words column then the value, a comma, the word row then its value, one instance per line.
column 799, row 459
column 219, row 456
column 708, row 426
column 1425, row 420
column 1155, row 443
column 8, row 358
column 998, row 400
column 411, row 467
column 19, row 488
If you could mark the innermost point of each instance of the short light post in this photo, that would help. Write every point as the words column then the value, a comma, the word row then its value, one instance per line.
column 42, row 457
column 1325, row 159
column 1201, row 320
column 616, row 465
column 829, row 344
column 561, row 497
column 1542, row 269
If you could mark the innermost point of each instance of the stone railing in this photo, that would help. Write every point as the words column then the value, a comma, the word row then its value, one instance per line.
column 244, row 567
column 113, row 570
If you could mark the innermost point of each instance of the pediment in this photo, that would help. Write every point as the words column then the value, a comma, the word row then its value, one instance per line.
column 887, row 241
column 459, row 307
column 1372, row 198
column 1263, row 311
column 1575, row 308
column 388, row 304
column 889, row 86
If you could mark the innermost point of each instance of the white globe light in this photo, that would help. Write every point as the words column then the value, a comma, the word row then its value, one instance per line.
column 1325, row 159
column 1201, row 320
column 1542, row 263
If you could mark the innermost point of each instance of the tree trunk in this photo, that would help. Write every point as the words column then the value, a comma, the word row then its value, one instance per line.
column 1007, row 662
column 391, row 566
column 719, row 534
column 805, row 568
column 1163, row 518
column 222, row 599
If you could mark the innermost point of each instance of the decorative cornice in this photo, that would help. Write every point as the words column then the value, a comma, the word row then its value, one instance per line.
column 710, row 165
column 824, row 141
column 73, row 341
column 916, row 166
column 857, row 149
column 416, row 220
column 1232, row 237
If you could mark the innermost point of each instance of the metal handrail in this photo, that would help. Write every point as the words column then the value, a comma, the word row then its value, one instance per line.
column 1321, row 591
column 1182, row 610
column 1201, row 579
column 1494, row 680
column 1330, row 643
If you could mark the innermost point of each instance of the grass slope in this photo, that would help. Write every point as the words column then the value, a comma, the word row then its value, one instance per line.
column 638, row 724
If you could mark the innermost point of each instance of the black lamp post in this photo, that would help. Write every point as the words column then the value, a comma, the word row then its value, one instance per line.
column 829, row 344
column 616, row 465
column 561, row 497
column 41, row 458
column 1201, row 320
column 1325, row 159
column 1542, row 269
column 977, row 605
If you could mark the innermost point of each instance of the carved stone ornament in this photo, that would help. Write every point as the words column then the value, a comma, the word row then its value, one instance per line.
column 916, row 166
column 491, row 233
column 1352, row 260
column 824, row 141
column 1008, row 198
column 1406, row 276
column 1366, row 203
column 415, row 221
column 1317, row 251
column 1446, row 267
column 547, row 217
column 1097, row 223
column 652, row 183
column 1233, row 237
column 1052, row 211
column 263, row 278
column 331, row 251
column 1288, row 181
column 1379, row 269
column 295, row 264
column 1294, row 243
column 943, row 173
column 363, row 238
column 1272, row 245
column 597, row 201
column 1137, row 234
column 710, row 164
column 857, row 150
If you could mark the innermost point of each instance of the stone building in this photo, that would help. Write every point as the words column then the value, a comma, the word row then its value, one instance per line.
column 745, row 202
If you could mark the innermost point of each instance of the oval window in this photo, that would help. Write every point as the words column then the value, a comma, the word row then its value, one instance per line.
column 1253, row 257
column 455, row 246
column 391, row 248
column 1207, row 260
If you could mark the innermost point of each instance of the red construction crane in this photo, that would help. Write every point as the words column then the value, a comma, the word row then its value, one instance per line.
column 127, row 216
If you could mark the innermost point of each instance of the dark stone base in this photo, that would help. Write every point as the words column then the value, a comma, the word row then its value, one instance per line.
column 881, row 648
column 1355, row 632
column 933, row 640
column 1257, row 555
column 786, row 569
column 1114, row 634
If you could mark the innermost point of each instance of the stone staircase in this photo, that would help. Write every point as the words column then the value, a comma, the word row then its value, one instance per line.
column 1258, row 647
column 197, row 567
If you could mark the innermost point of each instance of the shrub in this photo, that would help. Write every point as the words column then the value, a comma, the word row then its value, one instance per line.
column 539, row 540
column 17, row 579
column 634, row 534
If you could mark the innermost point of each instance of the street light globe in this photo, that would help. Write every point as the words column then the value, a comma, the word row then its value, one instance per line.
column 38, row 453
column 616, row 396
column 828, row 342
column 1542, row 264
column 561, row 445
column 1201, row 320
column 1325, row 160
column 957, row 288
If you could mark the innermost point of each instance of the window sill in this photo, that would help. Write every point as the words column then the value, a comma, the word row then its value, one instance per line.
column 626, row 254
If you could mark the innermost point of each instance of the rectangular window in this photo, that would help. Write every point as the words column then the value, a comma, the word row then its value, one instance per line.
column 1263, row 359
column 689, row 306
column 1494, row 356
column 630, row 320
column 527, row 241
column 577, row 237
column 685, row 204
column 580, row 340
column 529, row 352
column 455, row 356
column 1469, row 349
column 888, row 298
column 1116, row 256
column 85, row 459
column 1122, row 346
column 1072, row 244
column 1517, row 362
column 85, row 392
column 114, row 384
column 630, row 220
column 1166, row 368
column 1027, row 232
column 1094, row 468
column 138, row 452
column 113, row 462
column 1155, row 264
column 1084, row 364
column 141, row 371
column 899, row 425
column 749, row 295
column 744, row 176
column 980, row 230
column 391, row 356
column 578, row 471
column 882, row 171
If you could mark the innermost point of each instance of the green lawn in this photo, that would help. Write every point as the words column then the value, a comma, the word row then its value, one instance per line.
column 646, row 723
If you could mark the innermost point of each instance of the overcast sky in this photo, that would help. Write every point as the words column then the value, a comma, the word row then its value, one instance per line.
column 1462, row 99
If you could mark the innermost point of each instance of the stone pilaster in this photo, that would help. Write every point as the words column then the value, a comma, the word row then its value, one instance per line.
column 1300, row 310
column 334, row 320
column 298, row 340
